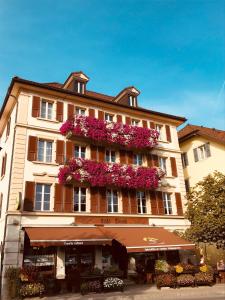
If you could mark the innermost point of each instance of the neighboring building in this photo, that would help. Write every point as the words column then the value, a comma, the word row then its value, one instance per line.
column 37, row 211
column 203, row 152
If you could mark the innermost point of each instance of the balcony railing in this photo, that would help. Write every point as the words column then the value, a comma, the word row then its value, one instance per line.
column 102, row 174
column 132, row 137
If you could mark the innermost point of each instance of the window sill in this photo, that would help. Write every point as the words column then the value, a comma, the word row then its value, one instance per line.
column 45, row 163
column 48, row 120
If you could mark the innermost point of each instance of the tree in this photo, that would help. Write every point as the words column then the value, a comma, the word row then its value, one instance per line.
column 206, row 211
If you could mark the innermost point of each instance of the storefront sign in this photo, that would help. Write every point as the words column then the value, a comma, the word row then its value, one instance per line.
column 73, row 243
column 151, row 249
column 111, row 220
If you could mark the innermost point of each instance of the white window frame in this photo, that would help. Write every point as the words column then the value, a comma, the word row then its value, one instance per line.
column 202, row 152
column 141, row 197
column 163, row 163
column 80, row 199
column 167, row 203
column 159, row 128
column 79, row 151
column 80, row 111
column 45, row 151
column 138, row 159
column 46, row 116
column 42, row 196
column 110, row 156
column 135, row 122
column 110, row 197
column 108, row 117
column 184, row 159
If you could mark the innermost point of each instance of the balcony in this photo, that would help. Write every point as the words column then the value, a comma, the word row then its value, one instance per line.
column 110, row 133
column 92, row 173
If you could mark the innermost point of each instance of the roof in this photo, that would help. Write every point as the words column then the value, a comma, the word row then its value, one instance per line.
column 210, row 133
column 58, row 87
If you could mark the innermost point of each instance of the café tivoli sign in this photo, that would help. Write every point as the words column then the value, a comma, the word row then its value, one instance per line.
column 111, row 220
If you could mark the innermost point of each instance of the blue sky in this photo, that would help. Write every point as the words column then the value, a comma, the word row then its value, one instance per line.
column 172, row 51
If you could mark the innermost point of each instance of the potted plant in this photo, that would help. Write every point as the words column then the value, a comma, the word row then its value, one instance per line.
column 113, row 284
column 161, row 266
column 203, row 278
column 185, row 280
column 32, row 289
column 166, row 280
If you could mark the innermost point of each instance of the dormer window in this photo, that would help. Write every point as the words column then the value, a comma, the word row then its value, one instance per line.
column 79, row 87
column 132, row 101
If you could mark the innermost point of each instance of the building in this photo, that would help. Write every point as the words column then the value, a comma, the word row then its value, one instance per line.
column 203, row 152
column 44, row 223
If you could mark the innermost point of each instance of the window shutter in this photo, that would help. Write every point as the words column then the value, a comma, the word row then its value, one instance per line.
column 119, row 119
column 59, row 111
column 173, row 166
column 152, row 125
column 133, row 202
column 8, row 127
column 36, row 106
column 101, row 153
column 160, row 203
column 155, row 160
column 130, row 156
column 125, row 200
column 58, row 204
column 195, row 154
column 60, row 152
column 70, row 111
column 168, row 134
column 153, row 200
column 102, row 200
column 68, row 200
column 207, row 150
column 179, row 204
column 28, row 204
column 4, row 158
column 149, row 160
column 128, row 120
column 123, row 159
column 32, row 148
column 94, row 199
column 91, row 112
column 5, row 162
column 69, row 150
column 100, row 115
column 93, row 152
column 145, row 124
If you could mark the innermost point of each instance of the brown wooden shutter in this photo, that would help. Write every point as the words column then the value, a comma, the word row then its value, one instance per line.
column 150, row 161
column 123, row 157
column 125, row 200
column 101, row 115
column 59, row 195
column 128, row 120
column 70, row 111
column 68, row 200
column 59, row 111
column 60, row 152
column 155, row 160
column 101, row 153
column 179, row 204
column 91, row 112
column 32, row 148
column 28, row 204
column 152, row 125
column 94, row 199
column 160, row 203
column 168, row 134
column 69, row 150
column 36, row 106
column 133, row 202
column 145, row 124
column 93, row 152
column 8, row 127
column 173, row 166
column 119, row 119
column 4, row 160
column 130, row 157
column 102, row 200
column 154, row 207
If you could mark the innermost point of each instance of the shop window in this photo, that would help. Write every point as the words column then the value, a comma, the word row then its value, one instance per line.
column 108, row 117
column 42, row 197
column 46, row 109
column 167, row 203
column 184, row 159
column 141, row 199
column 137, row 159
column 80, row 111
column 44, row 151
column 202, row 152
column 79, row 151
column 135, row 122
column 110, row 156
column 162, row 163
column 79, row 199
column 159, row 128
column 112, row 201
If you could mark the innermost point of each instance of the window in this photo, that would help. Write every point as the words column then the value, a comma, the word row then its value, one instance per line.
column 162, row 163
column 135, row 122
column 167, row 204
column 79, row 199
column 79, row 151
column 108, row 117
column 42, row 197
column 184, row 159
column 46, row 109
column 187, row 185
column 141, row 203
column 80, row 111
column 137, row 159
column 110, row 156
column 202, row 152
column 79, row 87
column 112, row 201
column 132, row 101
column 44, row 151
column 159, row 127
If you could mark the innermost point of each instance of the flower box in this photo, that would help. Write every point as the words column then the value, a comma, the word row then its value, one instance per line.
column 185, row 280
column 204, row 279
column 32, row 289
column 113, row 284
column 166, row 280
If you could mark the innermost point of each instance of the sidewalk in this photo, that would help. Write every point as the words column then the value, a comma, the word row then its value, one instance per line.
column 151, row 293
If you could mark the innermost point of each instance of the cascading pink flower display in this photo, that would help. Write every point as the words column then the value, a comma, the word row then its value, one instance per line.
column 111, row 132
column 109, row 174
